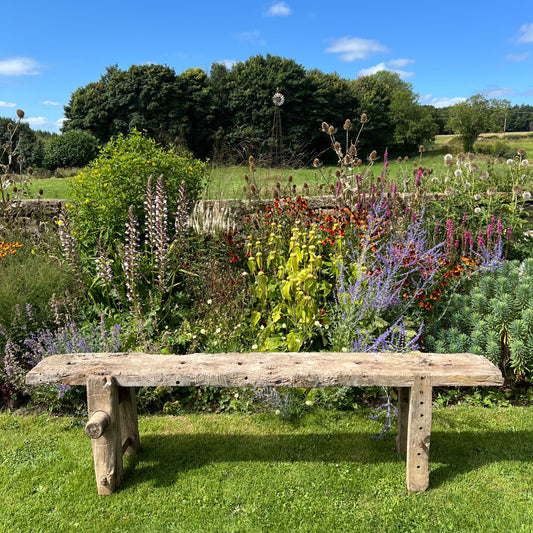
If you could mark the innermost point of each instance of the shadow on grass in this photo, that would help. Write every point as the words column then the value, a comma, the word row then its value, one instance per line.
column 163, row 458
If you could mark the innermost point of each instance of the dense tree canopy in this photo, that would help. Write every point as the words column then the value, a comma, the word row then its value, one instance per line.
column 228, row 113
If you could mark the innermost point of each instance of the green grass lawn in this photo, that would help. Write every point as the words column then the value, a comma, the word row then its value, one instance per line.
column 229, row 473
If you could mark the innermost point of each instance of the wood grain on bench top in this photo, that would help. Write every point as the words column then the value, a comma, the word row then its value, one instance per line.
column 256, row 369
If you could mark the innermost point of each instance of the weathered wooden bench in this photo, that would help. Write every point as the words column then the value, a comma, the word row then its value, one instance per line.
column 110, row 380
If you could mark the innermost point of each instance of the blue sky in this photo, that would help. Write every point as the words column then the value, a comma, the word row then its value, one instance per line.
column 448, row 51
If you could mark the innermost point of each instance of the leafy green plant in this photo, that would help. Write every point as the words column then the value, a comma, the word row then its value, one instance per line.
column 494, row 319
column 73, row 148
column 117, row 179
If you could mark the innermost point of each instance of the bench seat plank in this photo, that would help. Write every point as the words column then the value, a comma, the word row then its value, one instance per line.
column 257, row 369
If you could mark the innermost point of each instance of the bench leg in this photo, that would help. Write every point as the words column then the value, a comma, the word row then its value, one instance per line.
column 403, row 419
column 418, row 434
column 129, row 425
column 104, row 413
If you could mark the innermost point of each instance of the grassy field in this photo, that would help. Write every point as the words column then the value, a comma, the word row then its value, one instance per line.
column 228, row 181
column 255, row 473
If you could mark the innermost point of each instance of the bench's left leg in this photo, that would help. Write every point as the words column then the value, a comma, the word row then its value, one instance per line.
column 419, row 434
column 104, row 429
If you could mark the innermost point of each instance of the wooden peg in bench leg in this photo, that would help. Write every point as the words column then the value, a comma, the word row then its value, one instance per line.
column 128, row 421
column 102, row 397
column 418, row 434
column 403, row 419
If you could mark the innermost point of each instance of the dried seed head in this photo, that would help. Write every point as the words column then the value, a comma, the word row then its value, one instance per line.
column 358, row 163
column 405, row 159
column 373, row 155
column 252, row 167
column 251, row 159
column 347, row 124
column 337, row 147
column 325, row 127
column 347, row 160
column 41, row 192
column 491, row 191
column 337, row 173
column 331, row 130
column 10, row 127
column 20, row 113
column 400, row 159
column 246, row 178
column 421, row 148
column 278, row 185
column 316, row 162
column 517, row 190
column 289, row 179
column 353, row 150
column 30, row 170
column 364, row 118
column 448, row 191
column 460, row 157
column 305, row 186
column 521, row 152
column 484, row 175
column 474, row 167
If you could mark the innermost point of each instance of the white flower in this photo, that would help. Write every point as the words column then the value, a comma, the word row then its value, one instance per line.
column 254, row 347
column 477, row 210
column 467, row 185
column 458, row 173
column 510, row 161
column 345, row 349
column 524, row 162
column 448, row 157
column 309, row 403
column 317, row 323
column 202, row 331
column 217, row 330
column 477, row 197
column 526, row 195
column 283, row 325
column 209, row 302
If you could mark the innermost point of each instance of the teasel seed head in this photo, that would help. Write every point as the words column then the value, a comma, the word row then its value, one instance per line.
column 20, row 113
column 10, row 127
column 347, row 124
column 316, row 162
column 405, row 159
column 337, row 173
column 353, row 150
column 332, row 130
column 400, row 159
column 325, row 127
column 521, row 152
column 373, row 155
column 421, row 148
column 364, row 118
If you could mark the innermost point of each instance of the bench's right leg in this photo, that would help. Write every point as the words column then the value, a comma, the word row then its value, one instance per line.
column 102, row 401
column 129, row 425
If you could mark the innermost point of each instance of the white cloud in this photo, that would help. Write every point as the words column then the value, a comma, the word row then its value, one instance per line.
column 518, row 57
column 353, row 48
column 499, row 92
column 279, row 9
column 440, row 101
column 525, row 34
column 43, row 123
column 7, row 104
column 49, row 102
column 251, row 36
column 18, row 66
column 228, row 63
column 389, row 65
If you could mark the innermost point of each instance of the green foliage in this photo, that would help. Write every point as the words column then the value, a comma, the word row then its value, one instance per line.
column 73, row 148
column 495, row 319
column 24, row 144
column 476, row 115
column 103, row 192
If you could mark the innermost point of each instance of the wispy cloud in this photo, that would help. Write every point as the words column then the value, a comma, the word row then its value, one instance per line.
column 7, row 104
column 498, row 92
column 253, row 36
column 394, row 65
column 516, row 58
column 353, row 48
column 49, row 102
column 525, row 33
column 18, row 66
column 440, row 101
column 279, row 9
column 43, row 123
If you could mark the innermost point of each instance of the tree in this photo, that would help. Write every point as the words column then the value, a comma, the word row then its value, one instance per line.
column 395, row 119
column 26, row 143
column 251, row 86
column 476, row 115
column 73, row 148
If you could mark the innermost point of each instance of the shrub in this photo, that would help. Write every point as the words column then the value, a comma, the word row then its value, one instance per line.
column 117, row 179
column 71, row 149
column 495, row 319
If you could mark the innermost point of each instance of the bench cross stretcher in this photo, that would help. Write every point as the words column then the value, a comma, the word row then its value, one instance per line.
column 111, row 379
